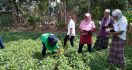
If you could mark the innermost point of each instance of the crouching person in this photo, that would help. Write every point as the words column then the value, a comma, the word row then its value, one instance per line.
column 49, row 42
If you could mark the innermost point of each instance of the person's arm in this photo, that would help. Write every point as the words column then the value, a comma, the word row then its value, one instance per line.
column 80, row 26
column 80, row 30
column 116, row 33
column 123, row 28
column 93, row 27
column 93, row 30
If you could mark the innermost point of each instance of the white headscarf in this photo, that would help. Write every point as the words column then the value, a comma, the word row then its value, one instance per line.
column 117, row 13
column 107, row 10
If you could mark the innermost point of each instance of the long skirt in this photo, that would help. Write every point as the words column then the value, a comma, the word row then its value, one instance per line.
column 116, row 52
column 101, row 43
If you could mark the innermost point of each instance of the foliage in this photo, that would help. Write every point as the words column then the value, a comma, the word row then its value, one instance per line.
column 6, row 20
column 23, row 52
column 43, row 7
column 118, row 4
column 78, row 7
column 60, row 24
column 128, row 15
column 33, row 20
column 98, row 6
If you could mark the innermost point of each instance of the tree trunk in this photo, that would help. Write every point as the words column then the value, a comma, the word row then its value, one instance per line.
column 89, row 6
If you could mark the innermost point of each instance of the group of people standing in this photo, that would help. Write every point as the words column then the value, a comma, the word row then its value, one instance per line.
column 115, row 25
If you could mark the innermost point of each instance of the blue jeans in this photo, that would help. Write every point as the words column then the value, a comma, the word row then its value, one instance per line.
column 1, row 43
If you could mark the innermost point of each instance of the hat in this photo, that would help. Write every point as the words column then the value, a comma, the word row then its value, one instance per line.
column 87, row 15
column 107, row 10
column 52, row 39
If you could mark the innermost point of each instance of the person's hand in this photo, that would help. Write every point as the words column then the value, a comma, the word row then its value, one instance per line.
column 93, row 30
column 110, row 32
column 81, row 30
column 89, row 32
column 107, row 30
column 114, row 33
column 84, row 33
column 58, row 51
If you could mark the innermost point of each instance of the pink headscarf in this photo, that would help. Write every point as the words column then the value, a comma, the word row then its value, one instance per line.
column 87, row 25
column 88, row 16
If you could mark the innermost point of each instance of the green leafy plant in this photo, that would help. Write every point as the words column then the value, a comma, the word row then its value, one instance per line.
column 60, row 24
column 33, row 20
column 6, row 20
column 23, row 52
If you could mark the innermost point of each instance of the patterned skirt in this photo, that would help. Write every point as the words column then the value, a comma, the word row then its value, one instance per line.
column 101, row 43
column 116, row 52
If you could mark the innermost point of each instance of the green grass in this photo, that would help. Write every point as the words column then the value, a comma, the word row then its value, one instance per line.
column 23, row 52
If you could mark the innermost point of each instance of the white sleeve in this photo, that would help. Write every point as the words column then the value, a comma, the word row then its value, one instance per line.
column 115, row 27
column 93, row 25
column 123, row 26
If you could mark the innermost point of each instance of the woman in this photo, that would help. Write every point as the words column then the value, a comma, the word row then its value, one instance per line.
column 71, row 32
column 116, row 52
column 86, row 28
column 102, row 38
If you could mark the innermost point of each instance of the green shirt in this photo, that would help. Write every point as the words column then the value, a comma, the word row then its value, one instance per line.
column 44, row 39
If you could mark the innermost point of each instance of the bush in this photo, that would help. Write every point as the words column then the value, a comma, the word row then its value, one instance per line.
column 98, row 7
column 33, row 20
column 60, row 24
column 6, row 20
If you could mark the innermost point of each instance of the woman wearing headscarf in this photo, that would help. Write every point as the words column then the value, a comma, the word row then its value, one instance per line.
column 102, row 37
column 86, row 28
column 116, row 52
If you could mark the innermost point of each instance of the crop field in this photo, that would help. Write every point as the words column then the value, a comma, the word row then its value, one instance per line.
column 23, row 52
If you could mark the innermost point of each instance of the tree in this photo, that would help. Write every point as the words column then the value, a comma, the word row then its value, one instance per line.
column 89, row 6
